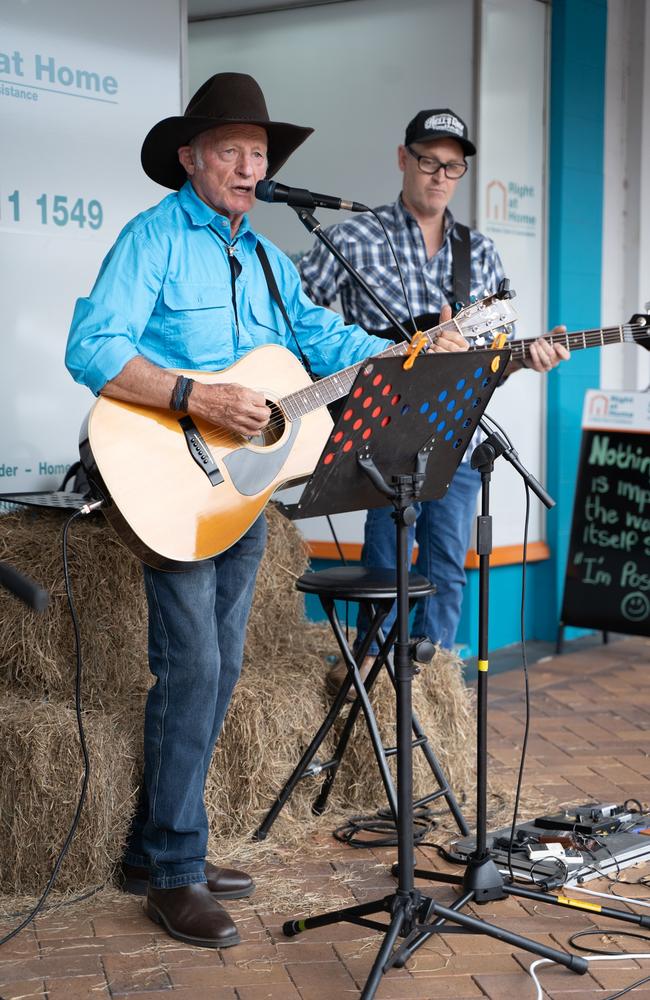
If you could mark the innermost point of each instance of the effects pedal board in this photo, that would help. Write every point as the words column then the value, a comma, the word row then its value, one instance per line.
column 575, row 845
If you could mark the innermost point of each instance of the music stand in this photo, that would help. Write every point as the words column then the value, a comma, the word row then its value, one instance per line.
column 400, row 437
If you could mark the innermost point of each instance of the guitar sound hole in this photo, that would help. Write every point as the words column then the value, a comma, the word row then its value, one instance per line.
column 273, row 430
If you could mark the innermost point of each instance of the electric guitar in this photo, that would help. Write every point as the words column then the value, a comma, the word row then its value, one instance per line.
column 178, row 490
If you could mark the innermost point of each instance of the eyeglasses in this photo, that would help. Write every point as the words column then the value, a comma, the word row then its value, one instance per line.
column 429, row 165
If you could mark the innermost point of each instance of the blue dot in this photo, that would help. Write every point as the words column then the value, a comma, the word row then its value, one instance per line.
column 458, row 442
column 469, row 393
column 451, row 404
column 467, row 423
column 460, row 384
column 486, row 381
column 424, row 408
column 459, row 414
column 441, row 425
column 478, row 373
column 449, row 435
column 476, row 402
column 442, row 396
column 433, row 416
column 405, row 409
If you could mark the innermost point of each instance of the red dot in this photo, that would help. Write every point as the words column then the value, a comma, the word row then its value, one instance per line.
column 376, row 380
column 385, row 422
column 387, row 388
column 357, row 392
column 357, row 424
column 395, row 400
column 367, row 402
column 376, row 411
column 347, row 414
column 366, row 434
column 328, row 458
column 338, row 437
column 347, row 446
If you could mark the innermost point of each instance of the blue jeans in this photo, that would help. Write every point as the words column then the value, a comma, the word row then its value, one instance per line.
column 197, row 627
column 442, row 530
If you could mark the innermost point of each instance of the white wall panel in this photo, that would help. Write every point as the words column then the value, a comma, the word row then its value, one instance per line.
column 80, row 86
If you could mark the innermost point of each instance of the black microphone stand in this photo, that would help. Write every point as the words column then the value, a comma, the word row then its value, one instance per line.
column 313, row 226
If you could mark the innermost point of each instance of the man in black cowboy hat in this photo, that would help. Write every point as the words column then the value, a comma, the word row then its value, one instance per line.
column 184, row 287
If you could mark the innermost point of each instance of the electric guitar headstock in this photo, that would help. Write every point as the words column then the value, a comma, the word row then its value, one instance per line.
column 640, row 329
column 487, row 317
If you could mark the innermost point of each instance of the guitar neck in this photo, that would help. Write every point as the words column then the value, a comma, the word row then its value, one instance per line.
column 580, row 339
column 333, row 387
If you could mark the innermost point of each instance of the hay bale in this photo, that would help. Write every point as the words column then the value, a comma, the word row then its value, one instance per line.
column 278, row 704
column 276, row 711
column 40, row 762
column 37, row 651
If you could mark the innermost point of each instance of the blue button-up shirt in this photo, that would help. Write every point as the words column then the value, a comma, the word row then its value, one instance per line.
column 164, row 291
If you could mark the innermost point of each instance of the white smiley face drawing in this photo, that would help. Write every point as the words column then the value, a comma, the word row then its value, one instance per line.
column 635, row 606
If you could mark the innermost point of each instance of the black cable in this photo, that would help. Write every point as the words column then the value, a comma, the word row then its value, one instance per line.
column 628, row 989
column 524, row 659
column 601, row 933
column 399, row 270
column 348, row 832
column 82, row 740
column 59, row 905
column 613, row 954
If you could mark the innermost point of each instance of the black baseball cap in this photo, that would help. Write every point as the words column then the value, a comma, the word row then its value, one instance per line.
column 439, row 123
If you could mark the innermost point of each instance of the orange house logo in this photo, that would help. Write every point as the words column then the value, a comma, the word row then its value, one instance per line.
column 496, row 201
column 598, row 406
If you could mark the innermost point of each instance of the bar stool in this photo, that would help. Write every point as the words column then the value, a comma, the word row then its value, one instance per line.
column 375, row 590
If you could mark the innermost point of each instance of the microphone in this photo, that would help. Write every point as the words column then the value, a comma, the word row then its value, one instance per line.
column 302, row 198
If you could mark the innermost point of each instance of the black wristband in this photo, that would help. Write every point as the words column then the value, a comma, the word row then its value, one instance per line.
column 176, row 402
column 185, row 397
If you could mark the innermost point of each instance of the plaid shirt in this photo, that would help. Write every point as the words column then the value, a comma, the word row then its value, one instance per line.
column 429, row 283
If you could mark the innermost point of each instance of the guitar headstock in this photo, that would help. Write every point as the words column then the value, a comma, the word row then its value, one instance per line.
column 493, row 314
column 640, row 329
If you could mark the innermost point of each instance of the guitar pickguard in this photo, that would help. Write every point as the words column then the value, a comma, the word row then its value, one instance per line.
column 252, row 471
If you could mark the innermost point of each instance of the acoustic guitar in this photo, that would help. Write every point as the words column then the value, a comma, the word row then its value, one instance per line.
column 178, row 490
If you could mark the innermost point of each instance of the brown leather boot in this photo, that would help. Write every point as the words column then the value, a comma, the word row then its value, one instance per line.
column 190, row 913
column 337, row 674
column 224, row 883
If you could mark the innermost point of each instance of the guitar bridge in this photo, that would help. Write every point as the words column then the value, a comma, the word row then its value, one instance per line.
column 199, row 451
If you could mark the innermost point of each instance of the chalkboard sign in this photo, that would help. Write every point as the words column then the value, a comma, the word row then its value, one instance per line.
column 607, row 582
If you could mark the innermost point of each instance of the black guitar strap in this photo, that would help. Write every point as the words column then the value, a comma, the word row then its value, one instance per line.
column 461, row 258
column 277, row 298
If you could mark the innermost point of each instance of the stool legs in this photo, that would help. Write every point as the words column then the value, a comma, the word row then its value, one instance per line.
column 377, row 611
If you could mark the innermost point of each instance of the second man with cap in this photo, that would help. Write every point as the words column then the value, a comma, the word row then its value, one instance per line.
column 444, row 263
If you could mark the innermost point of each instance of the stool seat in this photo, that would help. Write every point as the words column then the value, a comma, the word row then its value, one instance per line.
column 357, row 583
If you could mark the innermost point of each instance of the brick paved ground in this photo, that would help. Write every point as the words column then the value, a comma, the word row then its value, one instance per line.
column 591, row 714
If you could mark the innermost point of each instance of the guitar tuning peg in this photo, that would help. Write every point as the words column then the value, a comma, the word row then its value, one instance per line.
column 504, row 291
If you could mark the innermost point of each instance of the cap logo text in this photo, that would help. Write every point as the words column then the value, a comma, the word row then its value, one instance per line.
column 447, row 122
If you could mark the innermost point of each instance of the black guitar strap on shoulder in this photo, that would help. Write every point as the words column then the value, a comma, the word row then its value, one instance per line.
column 277, row 298
column 461, row 265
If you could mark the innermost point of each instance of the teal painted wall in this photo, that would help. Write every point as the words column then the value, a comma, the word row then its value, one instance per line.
column 577, row 112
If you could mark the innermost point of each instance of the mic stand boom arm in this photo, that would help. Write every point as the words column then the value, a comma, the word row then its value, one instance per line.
column 313, row 226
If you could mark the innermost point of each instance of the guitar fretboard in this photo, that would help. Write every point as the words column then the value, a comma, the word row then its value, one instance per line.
column 333, row 387
column 580, row 339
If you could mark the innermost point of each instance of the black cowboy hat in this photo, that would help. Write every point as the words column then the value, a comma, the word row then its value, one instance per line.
column 224, row 99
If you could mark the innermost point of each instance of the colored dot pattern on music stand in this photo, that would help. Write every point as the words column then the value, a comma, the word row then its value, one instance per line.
column 375, row 405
